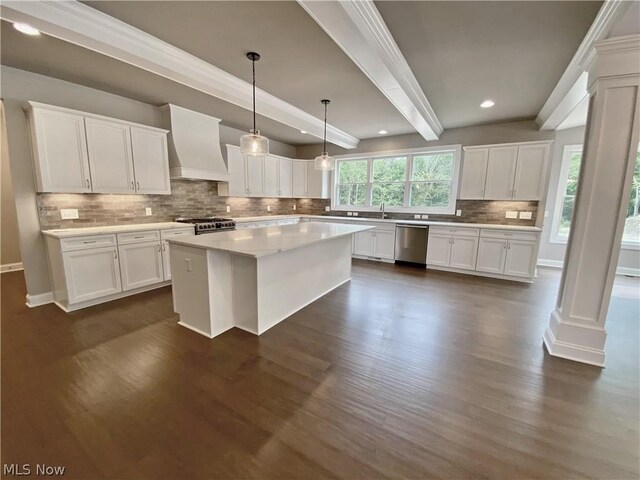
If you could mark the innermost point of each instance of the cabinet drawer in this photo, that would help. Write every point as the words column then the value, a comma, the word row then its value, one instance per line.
column 181, row 232
column 459, row 231
column 509, row 234
column 137, row 237
column 92, row 241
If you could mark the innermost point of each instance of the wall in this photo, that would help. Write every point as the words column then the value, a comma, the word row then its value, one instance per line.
column 552, row 254
column 19, row 86
column 188, row 198
column 9, row 241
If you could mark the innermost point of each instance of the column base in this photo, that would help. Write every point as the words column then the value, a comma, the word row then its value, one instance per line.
column 574, row 342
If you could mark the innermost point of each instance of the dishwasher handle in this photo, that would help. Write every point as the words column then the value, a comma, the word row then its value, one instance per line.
column 403, row 225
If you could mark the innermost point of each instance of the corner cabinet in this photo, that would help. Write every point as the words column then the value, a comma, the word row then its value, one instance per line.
column 78, row 152
column 272, row 176
column 504, row 172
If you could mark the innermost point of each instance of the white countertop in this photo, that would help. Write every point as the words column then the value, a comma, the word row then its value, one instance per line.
column 137, row 227
column 395, row 220
column 261, row 242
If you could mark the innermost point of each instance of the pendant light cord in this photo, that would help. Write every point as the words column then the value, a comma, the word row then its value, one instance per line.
column 325, row 129
column 253, row 62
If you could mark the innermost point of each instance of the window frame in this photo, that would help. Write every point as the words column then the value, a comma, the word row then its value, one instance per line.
column 409, row 154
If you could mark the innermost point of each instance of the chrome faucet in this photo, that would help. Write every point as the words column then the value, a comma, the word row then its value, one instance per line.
column 382, row 210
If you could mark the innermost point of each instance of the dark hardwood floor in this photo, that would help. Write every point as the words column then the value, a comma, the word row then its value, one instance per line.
column 401, row 373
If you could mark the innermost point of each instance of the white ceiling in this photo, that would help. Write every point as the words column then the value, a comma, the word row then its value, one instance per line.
column 460, row 52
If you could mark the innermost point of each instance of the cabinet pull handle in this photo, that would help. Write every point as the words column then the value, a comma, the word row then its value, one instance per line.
column 115, row 254
column 138, row 184
column 508, row 245
column 90, row 241
column 159, row 248
column 88, row 183
column 139, row 236
column 164, row 247
column 133, row 187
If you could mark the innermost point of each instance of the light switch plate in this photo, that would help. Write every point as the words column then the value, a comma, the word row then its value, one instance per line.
column 349, row 214
column 424, row 217
column 147, row 211
column 268, row 208
column 327, row 209
column 511, row 214
column 458, row 213
column 68, row 213
column 294, row 206
column 229, row 208
column 525, row 215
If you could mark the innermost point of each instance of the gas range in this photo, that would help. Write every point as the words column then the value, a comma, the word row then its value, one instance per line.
column 209, row 224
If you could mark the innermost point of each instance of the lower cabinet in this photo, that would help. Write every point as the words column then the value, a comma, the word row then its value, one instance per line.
column 378, row 243
column 91, row 273
column 140, row 264
column 508, row 254
column 166, row 260
column 491, row 255
column 453, row 247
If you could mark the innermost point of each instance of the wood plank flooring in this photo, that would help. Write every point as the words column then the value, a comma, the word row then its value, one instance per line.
column 401, row 373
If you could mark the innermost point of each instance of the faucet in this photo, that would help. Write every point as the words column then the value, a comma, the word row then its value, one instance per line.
column 382, row 210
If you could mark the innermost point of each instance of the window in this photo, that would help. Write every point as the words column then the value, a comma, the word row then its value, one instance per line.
column 424, row 180
column 567, row 188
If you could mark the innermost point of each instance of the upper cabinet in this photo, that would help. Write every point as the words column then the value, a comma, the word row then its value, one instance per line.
column 272, row 176
column 504, row 172
column 76, row 152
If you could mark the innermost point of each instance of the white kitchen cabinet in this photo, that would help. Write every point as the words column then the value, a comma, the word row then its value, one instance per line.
column 110, row 157
column 464, row 251
column 317, row 182
column 520, row 259
column 285, row 177
column 299, row 178
column 474, row 174
column 173, row 233
column 140, row 264
column 237, row 185
column 91, row 273
column 378, row 243
column 528, row 182
column 59, row 147
column 363, row 244
column 271, row 177
column 150, row 160
column 166, row 260
column 439, row 249
column 384, row 244
column 491, row 255
column 500, row 171
column 255, row 176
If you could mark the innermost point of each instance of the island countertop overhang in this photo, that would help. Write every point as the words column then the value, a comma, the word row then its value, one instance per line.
column 257, row 243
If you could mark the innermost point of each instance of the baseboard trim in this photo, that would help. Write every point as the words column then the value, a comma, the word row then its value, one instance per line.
column 572, row 352
column 630, row 272
column 11, row 267
column 39, row 299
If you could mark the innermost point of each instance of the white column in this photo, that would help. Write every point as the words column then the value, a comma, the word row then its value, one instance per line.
column 577, row 326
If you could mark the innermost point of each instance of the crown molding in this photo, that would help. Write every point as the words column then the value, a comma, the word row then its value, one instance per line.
column 571, row 89
column 359, row 30
column 89, row 28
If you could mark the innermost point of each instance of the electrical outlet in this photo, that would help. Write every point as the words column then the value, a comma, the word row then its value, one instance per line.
column 327, row 209
column 458, row 213
column 355, row 214
column 187, row 261
column 349, row 214
column 511, row 214
column 525, row 215
column 546, row 213
column 68, row 213
column 294, row 206
column 268, row 208
column 147, row 211
column 424, row 217
column 229, row 208
column 417, row 216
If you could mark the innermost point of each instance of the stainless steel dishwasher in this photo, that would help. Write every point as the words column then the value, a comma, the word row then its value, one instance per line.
column 411, row 243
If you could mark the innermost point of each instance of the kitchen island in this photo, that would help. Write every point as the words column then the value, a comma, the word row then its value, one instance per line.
column 254, row 279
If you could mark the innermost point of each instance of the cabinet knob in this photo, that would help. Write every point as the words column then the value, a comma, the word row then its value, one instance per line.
column 115, row 254
column 159, row 248
column 138, row 184
column 88, row 183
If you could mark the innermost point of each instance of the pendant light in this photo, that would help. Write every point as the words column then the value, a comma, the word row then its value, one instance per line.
column 325, row 161
column 254, row 144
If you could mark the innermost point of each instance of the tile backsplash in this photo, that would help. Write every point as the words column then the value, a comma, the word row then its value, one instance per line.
column 200, row 198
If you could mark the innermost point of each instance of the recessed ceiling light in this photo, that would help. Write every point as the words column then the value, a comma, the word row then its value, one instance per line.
column 487, row 104
column 382, row 132
column 303, row 131
column 26, row 29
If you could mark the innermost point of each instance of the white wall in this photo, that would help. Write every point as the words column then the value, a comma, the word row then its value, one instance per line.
column 552, row 254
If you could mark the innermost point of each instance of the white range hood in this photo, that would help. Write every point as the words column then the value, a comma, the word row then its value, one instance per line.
column 194, row 145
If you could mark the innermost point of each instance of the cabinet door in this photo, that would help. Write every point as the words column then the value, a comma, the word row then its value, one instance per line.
column 166, row 260
column 464, row 251
column 140, row 264
column 284, row 173
column 299, row 178
column 91, row 273
column 474, row 174
column 109, row 149
column 530, row 169
column 317, row 182
column 363, row 244
column 150, row 161
column 500, row 172
column 271, row 188
column 439, row 249
column 255, row 176
column 384, row 244
column 237, row 172
column 491, row 255
column 60, row 150
column 521, row 258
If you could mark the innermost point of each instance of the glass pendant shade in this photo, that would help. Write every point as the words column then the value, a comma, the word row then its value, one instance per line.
column 325, row 162
column 254, row 144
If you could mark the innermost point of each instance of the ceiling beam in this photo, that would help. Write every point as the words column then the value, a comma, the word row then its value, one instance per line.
column 89, row 28
column 359, row 30
column 571, row 89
